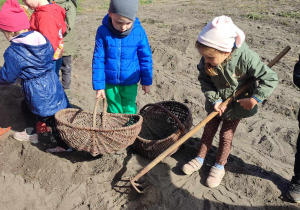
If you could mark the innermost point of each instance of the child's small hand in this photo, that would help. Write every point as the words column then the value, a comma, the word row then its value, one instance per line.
column 58, row 54
column 146, row 88
column 247, row 103
column 221, row 109
column 100, row 93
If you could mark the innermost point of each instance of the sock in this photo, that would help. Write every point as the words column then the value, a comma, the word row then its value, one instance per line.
column 221, row 167
column 201, row 160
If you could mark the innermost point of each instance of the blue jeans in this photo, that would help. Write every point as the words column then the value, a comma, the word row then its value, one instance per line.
column 68, row 102
column 57, row 65
column 56, row 68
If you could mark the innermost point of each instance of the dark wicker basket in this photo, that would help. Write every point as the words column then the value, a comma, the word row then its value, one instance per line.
column 116, row 131
column 164, row 123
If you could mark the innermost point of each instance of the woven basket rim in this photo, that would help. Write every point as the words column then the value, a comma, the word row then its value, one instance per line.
column 178, row 131
column 175, row 102
column 62, row 121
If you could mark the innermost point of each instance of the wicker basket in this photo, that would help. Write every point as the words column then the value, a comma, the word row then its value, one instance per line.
column 115, row 132
column 163, row 124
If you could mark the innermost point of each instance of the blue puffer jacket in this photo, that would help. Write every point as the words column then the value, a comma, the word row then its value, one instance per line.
column 121, row 61
column 43, row 91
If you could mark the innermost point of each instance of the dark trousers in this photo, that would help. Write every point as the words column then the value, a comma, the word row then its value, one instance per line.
column 59, row 64
column 66, row 72
column 226, row 135
column 49, row 121
column 296, row 177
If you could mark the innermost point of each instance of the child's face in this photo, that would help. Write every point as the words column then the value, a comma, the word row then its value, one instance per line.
column 214, row 59
column 32, row 4
column 120, row 23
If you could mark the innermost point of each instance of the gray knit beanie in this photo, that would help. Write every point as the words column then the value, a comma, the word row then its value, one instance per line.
column 125, row 8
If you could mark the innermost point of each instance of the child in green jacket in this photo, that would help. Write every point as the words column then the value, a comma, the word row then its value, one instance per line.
column 69, row 42
column 227, row 64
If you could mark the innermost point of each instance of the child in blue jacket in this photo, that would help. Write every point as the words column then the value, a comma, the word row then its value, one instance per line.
column 122, row 57
column 30, row 58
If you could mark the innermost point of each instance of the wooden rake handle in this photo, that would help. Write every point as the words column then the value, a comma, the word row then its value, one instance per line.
column 201, row 124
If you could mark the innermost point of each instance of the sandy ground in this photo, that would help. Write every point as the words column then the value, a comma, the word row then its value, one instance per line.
column 261, row 162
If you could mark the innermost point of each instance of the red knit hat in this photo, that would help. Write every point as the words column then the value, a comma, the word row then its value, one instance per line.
column 12, row 17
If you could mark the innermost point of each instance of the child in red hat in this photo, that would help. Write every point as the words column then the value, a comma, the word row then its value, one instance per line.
column 30, row 58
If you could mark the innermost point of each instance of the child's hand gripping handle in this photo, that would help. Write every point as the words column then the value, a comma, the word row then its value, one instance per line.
column 250, row 82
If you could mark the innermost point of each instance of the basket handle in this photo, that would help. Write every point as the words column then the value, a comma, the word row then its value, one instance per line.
column 104, row 112
column 181, row 126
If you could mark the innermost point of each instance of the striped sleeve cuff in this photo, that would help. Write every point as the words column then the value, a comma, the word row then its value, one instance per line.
column 259, row 101
column 217, row 101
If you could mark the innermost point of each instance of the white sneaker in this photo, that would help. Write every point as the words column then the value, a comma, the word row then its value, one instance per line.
column 192, row 166
column 215, row 177
column 23, row 136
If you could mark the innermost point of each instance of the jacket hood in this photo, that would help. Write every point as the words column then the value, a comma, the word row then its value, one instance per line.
column 40, row 55
column 105, row 21
column 241, row 49
column 52, row 8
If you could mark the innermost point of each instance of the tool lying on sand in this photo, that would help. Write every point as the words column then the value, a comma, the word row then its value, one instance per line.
column 4, row 130
column 139, row 186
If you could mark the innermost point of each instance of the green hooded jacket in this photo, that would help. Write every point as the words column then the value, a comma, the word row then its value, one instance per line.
column 69, row 37
column 244, row 65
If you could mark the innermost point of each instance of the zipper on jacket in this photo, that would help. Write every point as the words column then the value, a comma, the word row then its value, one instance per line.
column 119, row 62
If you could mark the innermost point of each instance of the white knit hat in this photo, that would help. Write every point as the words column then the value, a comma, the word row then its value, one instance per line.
column 221, row 34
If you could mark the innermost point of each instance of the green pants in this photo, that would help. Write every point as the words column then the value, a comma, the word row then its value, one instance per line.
column 121, row 99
